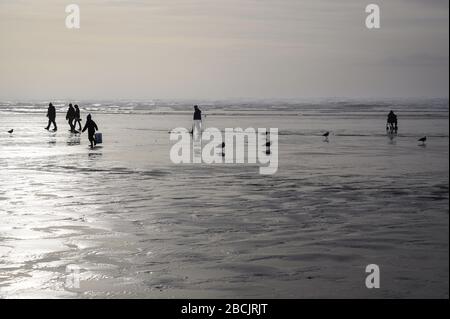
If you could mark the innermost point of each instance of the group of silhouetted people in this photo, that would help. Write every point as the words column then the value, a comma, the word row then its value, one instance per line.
column 73, row 117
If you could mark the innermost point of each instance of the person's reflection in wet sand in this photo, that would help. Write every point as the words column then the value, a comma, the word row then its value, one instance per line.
column 52, row 141
column 73, row 140
column 51, row 138
column 94, row 155
column 392, row 140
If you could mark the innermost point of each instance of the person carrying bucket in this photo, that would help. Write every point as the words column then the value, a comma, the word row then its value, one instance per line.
column 91, row 126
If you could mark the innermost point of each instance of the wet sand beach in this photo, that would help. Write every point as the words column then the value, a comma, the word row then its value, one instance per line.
column 138, row 226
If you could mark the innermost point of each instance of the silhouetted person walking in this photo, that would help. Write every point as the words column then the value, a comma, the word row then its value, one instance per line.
column 197, row 113
column 51, row 114
column 70, row 116
column 91, row 127
column 392, row 124
column 77, row 118
column 197, row 127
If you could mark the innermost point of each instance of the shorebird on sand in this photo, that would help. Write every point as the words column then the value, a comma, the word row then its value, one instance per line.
column 423, row 140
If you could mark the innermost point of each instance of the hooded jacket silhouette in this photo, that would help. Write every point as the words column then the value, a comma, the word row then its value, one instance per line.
column 91, row 126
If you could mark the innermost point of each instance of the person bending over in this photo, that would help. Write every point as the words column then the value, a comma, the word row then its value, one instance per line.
column 392, row 122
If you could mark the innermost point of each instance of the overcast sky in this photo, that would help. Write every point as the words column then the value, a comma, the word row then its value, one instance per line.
column 139, row 49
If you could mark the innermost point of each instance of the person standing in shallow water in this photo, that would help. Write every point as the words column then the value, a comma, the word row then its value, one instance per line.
column 392, row 124
column 70, row 116
column 197, row 127
column 77, row 118
column 91, row 126
column 51, row 114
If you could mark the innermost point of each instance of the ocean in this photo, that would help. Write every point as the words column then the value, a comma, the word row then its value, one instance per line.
column 128, row 223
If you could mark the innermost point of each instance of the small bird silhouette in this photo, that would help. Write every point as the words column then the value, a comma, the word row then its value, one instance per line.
column 423, row 139
column 10, row 131
column 326, row 134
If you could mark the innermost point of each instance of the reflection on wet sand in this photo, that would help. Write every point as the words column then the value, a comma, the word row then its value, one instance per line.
column 135, row 225
column 94, row 155
column 73, row 140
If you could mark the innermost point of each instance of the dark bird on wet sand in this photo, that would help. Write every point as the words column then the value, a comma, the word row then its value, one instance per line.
column 423, row 139
column 10, row 131
column 326, row 134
